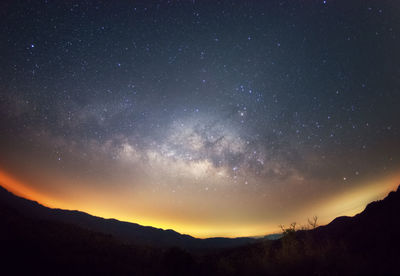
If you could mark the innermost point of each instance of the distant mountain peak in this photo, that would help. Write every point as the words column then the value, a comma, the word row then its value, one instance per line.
column 125, row 231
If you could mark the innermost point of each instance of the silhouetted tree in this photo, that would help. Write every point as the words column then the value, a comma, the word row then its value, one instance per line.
column 313, row 222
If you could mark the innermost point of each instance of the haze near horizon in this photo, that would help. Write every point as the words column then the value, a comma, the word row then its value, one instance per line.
column 212, row 119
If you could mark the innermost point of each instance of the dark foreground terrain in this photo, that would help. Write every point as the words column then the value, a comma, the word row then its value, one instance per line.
column 41, row 241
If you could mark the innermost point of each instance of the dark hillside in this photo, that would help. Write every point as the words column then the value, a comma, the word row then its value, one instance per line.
column 124, row 231
column 35, row 243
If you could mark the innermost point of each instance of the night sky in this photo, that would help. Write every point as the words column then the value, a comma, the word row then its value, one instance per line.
column 212, row 118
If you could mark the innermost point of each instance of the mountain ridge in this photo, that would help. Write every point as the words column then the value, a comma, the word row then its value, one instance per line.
column 366, row 243
column 124, row 231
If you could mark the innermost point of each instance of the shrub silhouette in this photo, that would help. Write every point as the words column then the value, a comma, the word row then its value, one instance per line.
column 365, row 244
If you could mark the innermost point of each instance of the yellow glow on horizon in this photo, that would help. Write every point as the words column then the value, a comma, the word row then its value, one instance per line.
column 349, row 202
column 353, row 200
column 22, row 189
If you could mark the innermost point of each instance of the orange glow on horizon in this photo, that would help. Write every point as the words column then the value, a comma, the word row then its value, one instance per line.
column 347, row 203
column 353, row 201
column 21, row 189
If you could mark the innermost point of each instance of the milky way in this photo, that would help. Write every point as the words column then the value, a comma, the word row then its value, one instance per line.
column 212, row 118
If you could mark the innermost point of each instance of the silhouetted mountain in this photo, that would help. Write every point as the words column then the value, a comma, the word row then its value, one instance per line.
column 374, row 234
column 377, row 223
column 38, row 240
column 366, row 244
column 43, row 247
column 273, row 236
column 125, row 231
